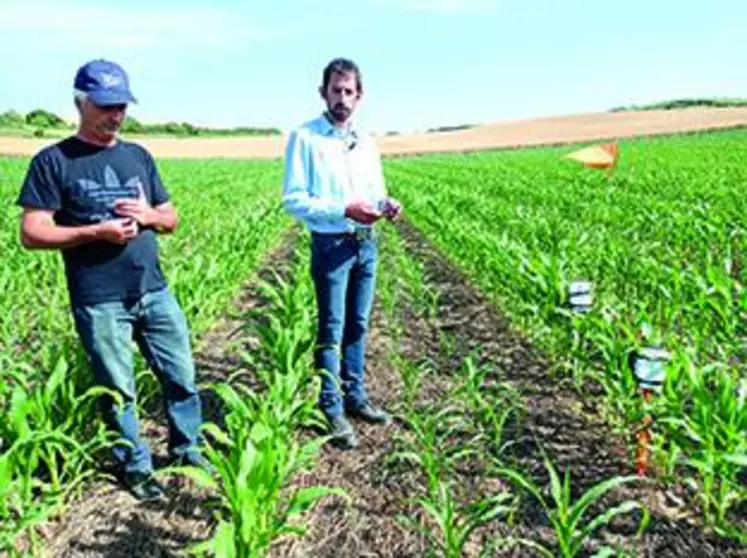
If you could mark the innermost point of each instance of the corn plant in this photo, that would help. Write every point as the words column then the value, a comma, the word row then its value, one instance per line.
column 434, row 452
column 48, row 449
column 253, row 461
column 713, row 422
column 437, row 440
column 567, row 517
column 258, row 453
column 456, row 523
column 490, row 403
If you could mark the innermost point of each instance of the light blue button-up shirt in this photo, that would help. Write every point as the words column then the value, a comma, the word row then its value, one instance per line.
column 326, row 168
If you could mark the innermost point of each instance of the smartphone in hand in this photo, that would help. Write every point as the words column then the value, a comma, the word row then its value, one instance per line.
column 389, row 207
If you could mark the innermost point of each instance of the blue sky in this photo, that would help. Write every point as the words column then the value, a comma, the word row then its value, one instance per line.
column 424, row 64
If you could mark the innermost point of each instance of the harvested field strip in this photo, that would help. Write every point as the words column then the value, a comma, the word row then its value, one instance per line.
column 497, row 135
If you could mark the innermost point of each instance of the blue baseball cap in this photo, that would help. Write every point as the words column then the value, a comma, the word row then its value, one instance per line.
column 104, row 82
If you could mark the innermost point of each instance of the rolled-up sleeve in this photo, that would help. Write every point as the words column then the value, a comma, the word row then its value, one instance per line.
column 297, row 198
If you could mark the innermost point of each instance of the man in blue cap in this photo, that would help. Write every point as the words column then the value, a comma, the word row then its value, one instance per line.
column 334, row 184
column 101, row 202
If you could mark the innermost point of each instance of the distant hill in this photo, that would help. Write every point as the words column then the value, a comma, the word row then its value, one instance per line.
column 714, row 102
column 41, row 123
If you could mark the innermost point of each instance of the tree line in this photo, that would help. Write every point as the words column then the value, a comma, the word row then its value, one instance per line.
column 39, row 121
column 715, row 102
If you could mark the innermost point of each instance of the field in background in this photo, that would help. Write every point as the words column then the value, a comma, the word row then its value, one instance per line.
column 522, row 133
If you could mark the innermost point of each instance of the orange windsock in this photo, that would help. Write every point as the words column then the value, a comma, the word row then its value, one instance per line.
column 603, row 156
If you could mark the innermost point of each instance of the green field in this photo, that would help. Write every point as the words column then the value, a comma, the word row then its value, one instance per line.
column 662, row 239
column 663, row 242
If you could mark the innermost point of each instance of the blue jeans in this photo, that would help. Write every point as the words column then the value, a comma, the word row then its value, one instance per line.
column 156, row 322
column 344, row 273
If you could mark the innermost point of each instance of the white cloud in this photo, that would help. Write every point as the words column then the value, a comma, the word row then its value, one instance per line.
column 65, row 23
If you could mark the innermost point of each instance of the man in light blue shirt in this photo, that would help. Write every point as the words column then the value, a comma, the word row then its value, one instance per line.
column 334, row 184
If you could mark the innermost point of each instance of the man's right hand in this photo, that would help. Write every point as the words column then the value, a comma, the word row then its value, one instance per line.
column 117, row 231
column 362, row 212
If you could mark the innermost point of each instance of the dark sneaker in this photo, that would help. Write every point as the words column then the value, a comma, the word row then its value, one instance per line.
column 368, row 413
column 194, row 461
column 342, row 433
column 143, row 486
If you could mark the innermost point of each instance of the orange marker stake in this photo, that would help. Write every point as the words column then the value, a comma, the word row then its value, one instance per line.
column 643, row 441
column 649, row 367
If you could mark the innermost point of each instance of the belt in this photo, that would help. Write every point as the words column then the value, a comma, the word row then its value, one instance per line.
column 357, row 234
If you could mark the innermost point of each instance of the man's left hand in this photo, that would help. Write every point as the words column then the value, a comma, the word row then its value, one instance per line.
column 393, row 209
column 139, row 209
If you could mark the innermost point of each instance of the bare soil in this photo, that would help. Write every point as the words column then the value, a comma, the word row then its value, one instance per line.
column 519, row 133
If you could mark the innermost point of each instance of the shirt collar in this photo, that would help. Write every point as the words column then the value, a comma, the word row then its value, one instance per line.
column 330, row 129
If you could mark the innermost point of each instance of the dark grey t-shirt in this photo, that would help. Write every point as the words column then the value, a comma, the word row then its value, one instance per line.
column 79, row 182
